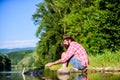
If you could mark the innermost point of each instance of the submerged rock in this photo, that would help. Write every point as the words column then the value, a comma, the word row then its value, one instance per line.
column 35, row 72
column 63, row 71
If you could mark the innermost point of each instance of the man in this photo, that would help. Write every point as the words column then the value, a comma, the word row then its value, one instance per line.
column 75, row 55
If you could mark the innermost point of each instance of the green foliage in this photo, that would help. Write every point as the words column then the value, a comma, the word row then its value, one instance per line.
column 5, row 63
column 49, row 32
column 93, row 23
column 16, row 56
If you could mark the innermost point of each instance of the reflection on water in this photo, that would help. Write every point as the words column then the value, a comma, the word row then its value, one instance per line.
column 67, row 77
column 16, row 75
column 81, row 77
column 52, row 75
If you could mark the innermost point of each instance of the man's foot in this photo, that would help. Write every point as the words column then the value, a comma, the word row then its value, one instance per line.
column 74, row 70
column 84, row 70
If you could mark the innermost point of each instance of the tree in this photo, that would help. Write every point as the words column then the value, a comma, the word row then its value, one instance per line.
column 50, row 31
column 5, row 63
column 93, row 23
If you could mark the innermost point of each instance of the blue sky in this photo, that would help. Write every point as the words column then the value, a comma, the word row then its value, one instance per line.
column 17, row 28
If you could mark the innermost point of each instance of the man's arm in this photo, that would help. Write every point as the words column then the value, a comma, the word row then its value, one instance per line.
column 57, row 62
column 53, row 63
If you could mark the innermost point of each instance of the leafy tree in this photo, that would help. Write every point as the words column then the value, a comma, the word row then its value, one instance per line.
column 5, row 62
column 93, row 23
column 50, row 31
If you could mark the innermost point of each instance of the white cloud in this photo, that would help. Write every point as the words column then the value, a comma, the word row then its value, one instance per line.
column 18, row 44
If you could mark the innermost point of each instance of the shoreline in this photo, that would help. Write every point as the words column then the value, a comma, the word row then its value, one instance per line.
column 106, row 69
column 93, row 69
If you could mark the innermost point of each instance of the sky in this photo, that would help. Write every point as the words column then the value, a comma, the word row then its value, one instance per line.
column 17, row 29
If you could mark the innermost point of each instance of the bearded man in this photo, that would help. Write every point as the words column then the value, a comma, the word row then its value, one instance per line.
column 75, row 55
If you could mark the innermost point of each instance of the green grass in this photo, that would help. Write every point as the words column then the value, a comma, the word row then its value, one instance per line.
column 108, row 59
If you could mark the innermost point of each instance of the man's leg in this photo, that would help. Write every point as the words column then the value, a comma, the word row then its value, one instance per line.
column 64, row 65
column 63, row 69
column 76, row 63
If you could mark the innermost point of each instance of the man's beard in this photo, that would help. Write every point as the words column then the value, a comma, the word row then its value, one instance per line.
column 66, row 46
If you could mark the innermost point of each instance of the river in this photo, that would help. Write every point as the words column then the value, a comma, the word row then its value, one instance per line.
column 52, row 75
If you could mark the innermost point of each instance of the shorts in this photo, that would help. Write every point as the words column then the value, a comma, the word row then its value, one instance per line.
column 76, row 63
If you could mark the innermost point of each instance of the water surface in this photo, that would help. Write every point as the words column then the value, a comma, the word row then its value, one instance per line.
column 52, row 75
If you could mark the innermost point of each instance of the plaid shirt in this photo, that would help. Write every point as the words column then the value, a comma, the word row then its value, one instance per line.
column 76, row 50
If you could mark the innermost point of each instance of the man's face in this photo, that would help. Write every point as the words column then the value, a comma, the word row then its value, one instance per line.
column 66, row 43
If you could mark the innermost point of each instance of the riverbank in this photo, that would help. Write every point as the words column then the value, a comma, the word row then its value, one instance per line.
column 90, row 69
column 107, row 61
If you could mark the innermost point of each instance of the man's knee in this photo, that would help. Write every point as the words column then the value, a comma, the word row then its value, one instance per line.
column 63, row 54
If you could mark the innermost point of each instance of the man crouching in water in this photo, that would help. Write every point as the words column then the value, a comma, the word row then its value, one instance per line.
column 75, row 55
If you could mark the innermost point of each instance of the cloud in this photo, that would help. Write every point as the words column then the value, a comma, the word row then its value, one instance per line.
column 18, row 44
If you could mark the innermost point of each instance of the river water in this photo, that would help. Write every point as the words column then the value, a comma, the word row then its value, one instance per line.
column 52, row 75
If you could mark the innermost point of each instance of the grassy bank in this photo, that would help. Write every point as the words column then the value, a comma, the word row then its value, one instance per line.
column 108, row 59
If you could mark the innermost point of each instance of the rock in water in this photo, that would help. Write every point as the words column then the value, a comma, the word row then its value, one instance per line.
column 63, row 71
column 35, row 72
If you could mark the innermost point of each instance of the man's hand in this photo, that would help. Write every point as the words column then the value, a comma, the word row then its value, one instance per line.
column 49, row 64
column 53, row 63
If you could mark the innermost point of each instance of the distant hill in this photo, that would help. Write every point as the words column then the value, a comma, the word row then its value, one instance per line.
column 17, row 56
column 5, row 51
